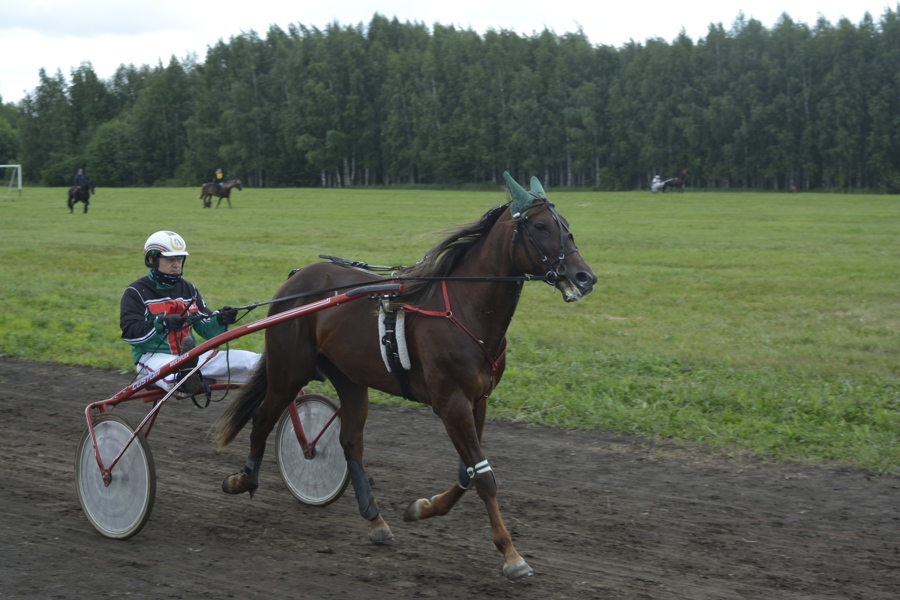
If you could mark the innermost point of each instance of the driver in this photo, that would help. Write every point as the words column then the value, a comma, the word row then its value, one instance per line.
column 152, row 318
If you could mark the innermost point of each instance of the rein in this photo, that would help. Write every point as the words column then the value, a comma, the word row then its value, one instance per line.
column 366, row 266
column 549, row 278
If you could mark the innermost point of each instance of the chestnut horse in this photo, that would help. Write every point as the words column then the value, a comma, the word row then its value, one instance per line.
column 457, row 305
column 209, row 190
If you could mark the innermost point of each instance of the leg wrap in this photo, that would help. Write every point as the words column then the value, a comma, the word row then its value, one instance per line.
column 467, row 474
column 362, row 487
column 251, row 469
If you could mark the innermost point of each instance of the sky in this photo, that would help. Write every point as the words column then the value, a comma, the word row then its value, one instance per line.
column 61, row 35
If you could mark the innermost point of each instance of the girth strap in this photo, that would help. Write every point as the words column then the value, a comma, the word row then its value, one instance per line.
column 392, row 353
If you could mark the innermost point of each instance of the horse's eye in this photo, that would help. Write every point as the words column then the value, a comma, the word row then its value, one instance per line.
column 540, row 226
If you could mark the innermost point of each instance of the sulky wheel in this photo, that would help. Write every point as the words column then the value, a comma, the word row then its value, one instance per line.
column 118, row 510
column 321, row 479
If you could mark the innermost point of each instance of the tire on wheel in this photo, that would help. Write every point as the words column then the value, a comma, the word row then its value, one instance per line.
column 321, row 479
column 118, row 510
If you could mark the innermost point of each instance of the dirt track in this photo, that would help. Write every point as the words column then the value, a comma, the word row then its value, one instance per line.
column 596, row 515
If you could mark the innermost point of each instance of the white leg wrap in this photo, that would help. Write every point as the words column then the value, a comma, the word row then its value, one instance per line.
column 467, row 474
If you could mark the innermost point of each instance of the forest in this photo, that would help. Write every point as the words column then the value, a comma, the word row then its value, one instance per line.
column 797, row 106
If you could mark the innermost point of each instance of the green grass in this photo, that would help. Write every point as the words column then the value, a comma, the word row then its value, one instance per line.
column 752, row 323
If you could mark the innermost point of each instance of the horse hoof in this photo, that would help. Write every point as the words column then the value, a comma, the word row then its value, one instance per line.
column 382, row 535
column 414, row 510
column 518, row 570
column 238, row 484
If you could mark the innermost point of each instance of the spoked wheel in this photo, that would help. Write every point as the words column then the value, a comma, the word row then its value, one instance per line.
column 122, row 508
column 322, row 478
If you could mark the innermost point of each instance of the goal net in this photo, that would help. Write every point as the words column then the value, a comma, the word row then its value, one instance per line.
column 15, row 177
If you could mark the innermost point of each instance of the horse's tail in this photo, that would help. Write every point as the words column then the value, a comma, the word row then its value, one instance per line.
column 241, row 409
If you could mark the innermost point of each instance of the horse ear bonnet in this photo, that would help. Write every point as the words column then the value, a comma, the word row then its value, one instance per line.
column 520, row 200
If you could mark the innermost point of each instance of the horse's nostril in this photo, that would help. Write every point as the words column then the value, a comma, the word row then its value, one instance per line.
column 585, row 279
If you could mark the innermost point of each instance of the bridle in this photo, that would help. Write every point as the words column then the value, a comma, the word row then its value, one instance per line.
column 555, row 268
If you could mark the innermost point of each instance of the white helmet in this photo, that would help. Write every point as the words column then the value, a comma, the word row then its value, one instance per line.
column 163, row 243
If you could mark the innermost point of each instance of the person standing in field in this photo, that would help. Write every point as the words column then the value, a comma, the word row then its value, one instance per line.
column 153, row 317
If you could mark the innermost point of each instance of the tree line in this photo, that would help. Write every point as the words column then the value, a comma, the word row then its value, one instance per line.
column 392, row 103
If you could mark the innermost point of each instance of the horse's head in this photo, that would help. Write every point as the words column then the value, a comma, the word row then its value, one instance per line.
column 543, row 244
column 237, row 184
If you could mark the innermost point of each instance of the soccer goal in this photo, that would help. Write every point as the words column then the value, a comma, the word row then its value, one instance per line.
column 15, row 178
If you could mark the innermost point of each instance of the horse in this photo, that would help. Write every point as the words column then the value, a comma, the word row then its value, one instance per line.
column 210, row 189
column 676, row 182
column 80, row 193
column 457, row 304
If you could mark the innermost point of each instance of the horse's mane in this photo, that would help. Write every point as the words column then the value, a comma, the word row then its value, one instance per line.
column 418, row 283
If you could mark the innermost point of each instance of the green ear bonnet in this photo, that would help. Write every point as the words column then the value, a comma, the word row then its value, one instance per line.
column 520, row 200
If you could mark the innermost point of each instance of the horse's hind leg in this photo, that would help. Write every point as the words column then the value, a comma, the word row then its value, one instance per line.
column 354, row 412
column 281, row 386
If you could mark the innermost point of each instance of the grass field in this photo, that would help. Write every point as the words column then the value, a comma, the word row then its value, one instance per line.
column 759, row 324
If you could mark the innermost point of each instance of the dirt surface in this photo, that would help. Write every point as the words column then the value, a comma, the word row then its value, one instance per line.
column 596, row 515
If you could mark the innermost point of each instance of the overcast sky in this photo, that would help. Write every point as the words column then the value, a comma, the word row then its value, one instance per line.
column 58, row 34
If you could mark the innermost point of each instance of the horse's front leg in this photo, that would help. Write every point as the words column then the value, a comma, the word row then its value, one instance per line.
column 441, row 504
column 464, row 426
column 514, row 566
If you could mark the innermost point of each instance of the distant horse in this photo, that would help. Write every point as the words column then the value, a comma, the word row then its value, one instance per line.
column 457, row 305
column 80, row 194
column 209, row 190
column 677, row 183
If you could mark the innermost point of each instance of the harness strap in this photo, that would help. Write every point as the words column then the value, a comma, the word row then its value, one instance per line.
column 447, row 313
column 391, row 346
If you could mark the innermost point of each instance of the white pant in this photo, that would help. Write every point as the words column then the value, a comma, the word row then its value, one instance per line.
column 238, row 363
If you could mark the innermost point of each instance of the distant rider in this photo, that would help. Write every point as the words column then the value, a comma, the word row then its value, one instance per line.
column 219, row 180
column 152, row 319
column 80, row 180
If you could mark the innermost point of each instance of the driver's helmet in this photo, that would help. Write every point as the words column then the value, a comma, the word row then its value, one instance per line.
column 163, row 243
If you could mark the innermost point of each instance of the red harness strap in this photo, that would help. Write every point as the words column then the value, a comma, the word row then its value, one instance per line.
column 448, row 314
